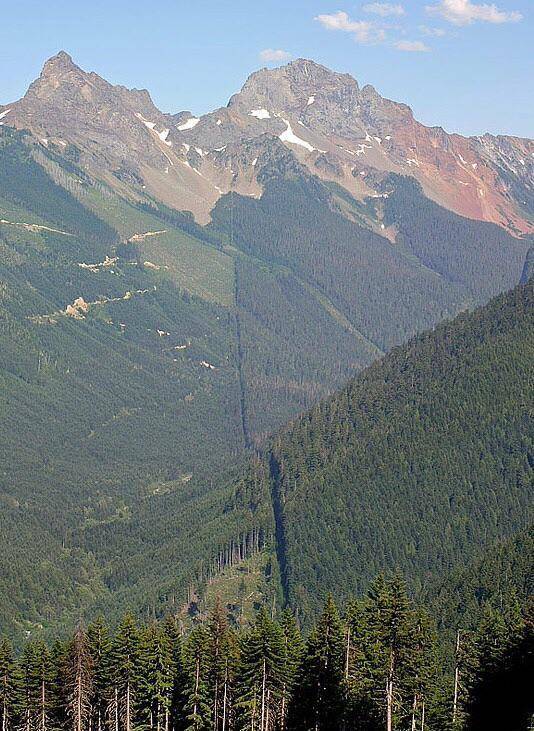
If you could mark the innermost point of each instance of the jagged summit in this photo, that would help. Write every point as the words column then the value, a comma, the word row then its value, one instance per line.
column 339, row 130
column 61, row 59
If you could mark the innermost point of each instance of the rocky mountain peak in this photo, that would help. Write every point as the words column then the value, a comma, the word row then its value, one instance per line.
column 61, row 61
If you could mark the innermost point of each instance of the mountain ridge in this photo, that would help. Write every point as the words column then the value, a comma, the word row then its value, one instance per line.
column 338, row 130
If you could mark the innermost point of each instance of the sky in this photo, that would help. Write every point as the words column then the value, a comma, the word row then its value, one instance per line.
column 465, row 65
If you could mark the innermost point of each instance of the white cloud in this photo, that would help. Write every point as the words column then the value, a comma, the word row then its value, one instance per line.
column 411, row 46
column 383, row 9
column 464, row 12
column 434, row 32
column 272, row 55
column 362, row 30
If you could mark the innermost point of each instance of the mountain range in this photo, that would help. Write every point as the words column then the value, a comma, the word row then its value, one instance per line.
column 174, row 288
column 338, row 131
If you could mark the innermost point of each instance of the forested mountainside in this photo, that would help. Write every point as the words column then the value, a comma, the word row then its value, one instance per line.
column 421, row 462
column 142, row 354
column 423, row 457
column 373, row 664
column 503, row 573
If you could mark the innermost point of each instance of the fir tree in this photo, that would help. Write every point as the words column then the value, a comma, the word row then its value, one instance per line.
column 294, row 649
column 319, row 700
column 262, row 675
column 173, row 634
column 8, row 685
column 36, row 700
column 99, row 645
column 157, row 677
column 222, row 658
column 125, row 667
column 197, row 708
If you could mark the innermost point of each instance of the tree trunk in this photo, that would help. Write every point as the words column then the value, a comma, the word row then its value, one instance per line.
column 225, row 697
column 79, row 706
column 43, row 706
column 267, row 711
column 347, row 655
column 456, row 680
column 128, row 708
column 423, row 716
column 197, row 684
column 389, row 693
column 263, row 687
column 116, row 709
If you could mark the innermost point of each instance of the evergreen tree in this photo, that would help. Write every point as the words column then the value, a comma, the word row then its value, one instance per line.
column 319, row 701
column 8, row 685
column 222, row 658
column 173, row 634
column 391, row 623
column 294, row 649
column 99, row 645
column 36, row 699
column 501, row 693
column 157, row 677
column 197, row 708
column 262, row 675
column 125, row 668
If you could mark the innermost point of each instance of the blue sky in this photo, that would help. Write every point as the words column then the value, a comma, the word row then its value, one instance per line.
column 467, row 65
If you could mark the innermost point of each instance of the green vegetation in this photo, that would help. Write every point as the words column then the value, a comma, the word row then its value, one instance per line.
column 128, row 393
column 502, row 573
column 422, row 459
column 374, row 666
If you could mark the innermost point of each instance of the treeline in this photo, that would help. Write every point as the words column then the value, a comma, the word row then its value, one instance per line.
column 375, row 666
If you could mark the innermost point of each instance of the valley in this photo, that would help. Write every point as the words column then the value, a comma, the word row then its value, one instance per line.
column 176, row 294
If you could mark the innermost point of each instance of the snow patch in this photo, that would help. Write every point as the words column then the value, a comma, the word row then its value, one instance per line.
column 189, row 124
column 207, row 365
column 362, row 148
column 3, row 114
column 148, row 124
column 311, row 100
column 254, row 162
column 291, row 137
column 163, row 137
column 219, row 122
column 412, row 161
column 260, row 113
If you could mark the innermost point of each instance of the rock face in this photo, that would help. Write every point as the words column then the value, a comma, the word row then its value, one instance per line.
column 339, row 131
